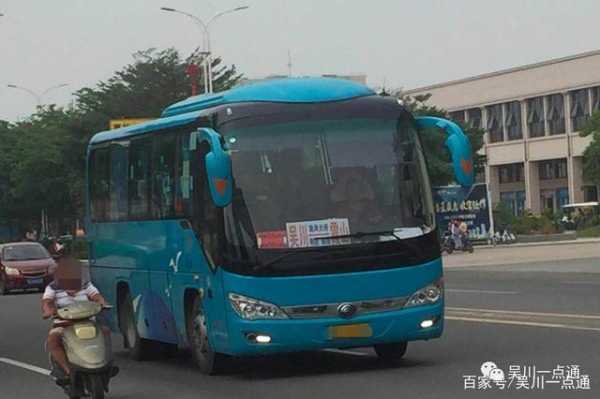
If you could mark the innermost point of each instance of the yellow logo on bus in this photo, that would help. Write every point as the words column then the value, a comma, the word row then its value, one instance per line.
column 118, row 123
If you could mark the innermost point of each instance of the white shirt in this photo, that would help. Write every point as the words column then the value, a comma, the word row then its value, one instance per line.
column 62, row 299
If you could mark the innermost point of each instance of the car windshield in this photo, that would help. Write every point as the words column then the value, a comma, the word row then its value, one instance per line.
column 300, row 182
column 24, row 252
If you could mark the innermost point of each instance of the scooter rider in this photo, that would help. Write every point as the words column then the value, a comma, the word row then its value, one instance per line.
column 66, row 289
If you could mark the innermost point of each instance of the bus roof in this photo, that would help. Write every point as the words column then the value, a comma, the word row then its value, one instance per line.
column 291, row 90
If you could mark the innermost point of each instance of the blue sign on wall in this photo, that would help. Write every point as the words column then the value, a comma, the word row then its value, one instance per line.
column 468, row 204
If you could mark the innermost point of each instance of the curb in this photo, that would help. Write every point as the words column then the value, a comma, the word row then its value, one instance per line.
column 579, row 241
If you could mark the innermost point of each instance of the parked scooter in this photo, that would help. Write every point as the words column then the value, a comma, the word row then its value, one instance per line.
column 449, row 244
column 88, row 350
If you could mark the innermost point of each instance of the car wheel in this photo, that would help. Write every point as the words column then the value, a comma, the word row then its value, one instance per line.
column 208, row 361
column 3, row 289
column 391, row 353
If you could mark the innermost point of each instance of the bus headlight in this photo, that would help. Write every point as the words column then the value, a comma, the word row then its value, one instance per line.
column 254, row 309
column 11, row 271
column 429, row 294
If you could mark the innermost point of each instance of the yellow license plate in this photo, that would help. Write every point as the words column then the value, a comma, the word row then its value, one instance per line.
column 350, row 331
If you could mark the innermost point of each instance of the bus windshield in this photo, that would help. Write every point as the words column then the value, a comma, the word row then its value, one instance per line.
column 327, row 182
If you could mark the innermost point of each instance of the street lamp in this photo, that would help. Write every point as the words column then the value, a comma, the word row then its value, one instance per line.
column 38, row 97
column 208, row 84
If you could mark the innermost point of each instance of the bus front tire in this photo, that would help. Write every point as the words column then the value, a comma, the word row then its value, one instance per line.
column 138, row 347
column 208, row 361
column 391, row 353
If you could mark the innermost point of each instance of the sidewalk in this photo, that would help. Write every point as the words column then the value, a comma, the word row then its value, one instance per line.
column 543, row 243
column 511, row 254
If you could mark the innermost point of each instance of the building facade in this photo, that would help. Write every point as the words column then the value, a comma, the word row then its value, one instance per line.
column 532, row 116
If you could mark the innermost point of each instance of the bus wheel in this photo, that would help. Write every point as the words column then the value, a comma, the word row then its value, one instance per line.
column 208, row 361
column 391, row 353
column 139, row 348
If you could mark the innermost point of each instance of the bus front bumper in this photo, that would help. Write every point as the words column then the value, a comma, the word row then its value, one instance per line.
column 293, row 335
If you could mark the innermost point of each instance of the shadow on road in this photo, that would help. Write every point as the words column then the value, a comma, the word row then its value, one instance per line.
column 301, row 364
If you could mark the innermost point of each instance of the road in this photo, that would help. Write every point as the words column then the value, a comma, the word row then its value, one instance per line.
column 507, row 309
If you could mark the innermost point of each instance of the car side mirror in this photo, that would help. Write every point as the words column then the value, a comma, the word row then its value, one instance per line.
column 458, row 144
column 218, row 167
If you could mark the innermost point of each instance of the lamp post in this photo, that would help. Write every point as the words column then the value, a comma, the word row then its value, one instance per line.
column 38, row 97
column 206, row 52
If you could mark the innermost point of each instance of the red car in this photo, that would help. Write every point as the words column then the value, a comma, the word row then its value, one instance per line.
column 25, row 265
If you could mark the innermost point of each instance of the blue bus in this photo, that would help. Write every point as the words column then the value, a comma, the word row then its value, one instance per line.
column 287, row 215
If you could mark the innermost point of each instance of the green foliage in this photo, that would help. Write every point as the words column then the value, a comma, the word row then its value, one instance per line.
column 534, row 224
column 591, row 155
column 438, row 157
column 589, row 232
column 43, row 159
column 503, row 215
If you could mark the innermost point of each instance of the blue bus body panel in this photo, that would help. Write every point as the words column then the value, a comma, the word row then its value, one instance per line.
column 306, row 334
column 158, row 260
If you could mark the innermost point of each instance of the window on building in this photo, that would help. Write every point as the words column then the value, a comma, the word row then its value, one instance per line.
column 595, row 98
column 580, row 109
column 513, row 120
column 535, row 117
column 553, row 169
column 140, row 152
column 515, row 200
column 511, row 173
column 474, row 117
column 590, row 193
column 99, row 181
column 556, row 114
column 458, row 116
column 494, row 123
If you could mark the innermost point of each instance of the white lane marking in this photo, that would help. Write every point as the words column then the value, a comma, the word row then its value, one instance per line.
column 508, row 312
column 582, row 282
column 521, row 323
column 481, row 291
column 25, row 366
column 346, row 352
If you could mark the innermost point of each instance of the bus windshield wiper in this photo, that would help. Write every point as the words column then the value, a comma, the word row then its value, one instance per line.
column 361, row 234
column 279, row 258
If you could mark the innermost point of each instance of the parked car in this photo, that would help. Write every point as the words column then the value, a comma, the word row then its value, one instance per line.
column 25, row 265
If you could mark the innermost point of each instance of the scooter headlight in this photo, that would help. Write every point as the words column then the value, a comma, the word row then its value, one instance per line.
column 429, row 294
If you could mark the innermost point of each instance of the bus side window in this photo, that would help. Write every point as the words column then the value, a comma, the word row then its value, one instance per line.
column 139, row 179
column 163, row 175
column 119, row 162
column 99, row 184
column 186, row 170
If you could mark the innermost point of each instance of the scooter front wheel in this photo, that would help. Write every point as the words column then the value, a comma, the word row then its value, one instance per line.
column 94, row 385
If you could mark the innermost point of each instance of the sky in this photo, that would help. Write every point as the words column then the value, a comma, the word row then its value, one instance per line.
column 399, row 43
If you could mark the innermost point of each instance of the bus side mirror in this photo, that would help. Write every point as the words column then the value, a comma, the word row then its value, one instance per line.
column 458, row 144
column 218, row 167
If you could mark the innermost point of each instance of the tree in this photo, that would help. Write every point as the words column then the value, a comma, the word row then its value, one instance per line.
column 153, row 81
column 591, row 155
column 438, row 157
column 43, row 159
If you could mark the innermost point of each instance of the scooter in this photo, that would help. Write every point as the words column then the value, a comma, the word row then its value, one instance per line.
column 449, row 244
column 88, row 350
